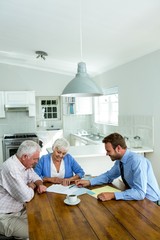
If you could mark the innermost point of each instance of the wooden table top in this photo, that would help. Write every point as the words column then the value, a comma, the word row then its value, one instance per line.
column 50, row 218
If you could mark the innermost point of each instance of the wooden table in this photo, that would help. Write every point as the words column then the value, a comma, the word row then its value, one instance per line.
column 50, row 218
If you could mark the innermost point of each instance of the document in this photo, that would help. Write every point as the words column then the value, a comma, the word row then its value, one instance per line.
column 72, row 189
column 104, row 189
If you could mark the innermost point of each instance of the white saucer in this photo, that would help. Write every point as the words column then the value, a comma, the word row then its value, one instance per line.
column 69, row 203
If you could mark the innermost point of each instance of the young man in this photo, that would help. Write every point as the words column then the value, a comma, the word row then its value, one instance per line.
column 17, row 184
column 137, row 173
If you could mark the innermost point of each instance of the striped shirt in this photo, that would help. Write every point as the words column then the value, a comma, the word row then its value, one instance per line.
column 14, row 191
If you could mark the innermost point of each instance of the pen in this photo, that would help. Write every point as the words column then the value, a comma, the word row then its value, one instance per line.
column 72, row 185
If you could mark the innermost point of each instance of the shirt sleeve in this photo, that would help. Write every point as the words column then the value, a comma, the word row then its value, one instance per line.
column 107, row 177
column 72, row 167
column 16, row 185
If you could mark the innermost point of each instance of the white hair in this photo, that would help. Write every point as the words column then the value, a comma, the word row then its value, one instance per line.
column 28, row 147
column 61, row 143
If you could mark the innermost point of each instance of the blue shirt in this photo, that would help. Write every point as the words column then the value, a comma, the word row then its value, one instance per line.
column 139, row 175
column 43, row 167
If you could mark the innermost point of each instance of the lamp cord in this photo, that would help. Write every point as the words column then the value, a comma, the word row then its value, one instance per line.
column 80, row 28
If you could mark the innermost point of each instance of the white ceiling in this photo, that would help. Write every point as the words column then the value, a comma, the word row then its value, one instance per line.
column 113, row 32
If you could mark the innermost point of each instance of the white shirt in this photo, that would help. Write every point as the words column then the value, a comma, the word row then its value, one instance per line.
column 54, row 172
column 14, row 191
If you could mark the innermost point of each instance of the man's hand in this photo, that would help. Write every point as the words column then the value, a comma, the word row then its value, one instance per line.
column 105, row 196
column 41, row 188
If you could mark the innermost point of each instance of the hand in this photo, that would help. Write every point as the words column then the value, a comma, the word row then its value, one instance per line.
column 52, row 179
column 82, row 183
column 104, row 196
column 66, row 182
column 41, row 188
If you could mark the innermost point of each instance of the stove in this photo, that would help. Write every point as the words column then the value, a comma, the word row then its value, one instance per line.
column 11, row 142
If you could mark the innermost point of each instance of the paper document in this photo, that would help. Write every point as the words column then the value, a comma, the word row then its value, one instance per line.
column 72, row 189
column 104, row 189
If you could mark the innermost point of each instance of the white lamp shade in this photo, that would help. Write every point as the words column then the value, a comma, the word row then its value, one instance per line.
column 82, row 85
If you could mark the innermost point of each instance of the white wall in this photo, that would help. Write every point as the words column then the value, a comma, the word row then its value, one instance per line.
column 42, row 82
column 139, row 85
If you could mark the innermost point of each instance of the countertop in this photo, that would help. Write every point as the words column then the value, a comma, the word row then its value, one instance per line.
column 97, row 150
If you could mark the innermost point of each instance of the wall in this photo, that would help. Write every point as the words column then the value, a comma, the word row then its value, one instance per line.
column 42, row 82
column 139, row 83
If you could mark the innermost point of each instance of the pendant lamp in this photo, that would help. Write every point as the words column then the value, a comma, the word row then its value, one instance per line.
column 82, row 85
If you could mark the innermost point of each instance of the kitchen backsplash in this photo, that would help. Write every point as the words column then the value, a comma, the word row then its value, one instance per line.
column 17, row 122
column 129, row 126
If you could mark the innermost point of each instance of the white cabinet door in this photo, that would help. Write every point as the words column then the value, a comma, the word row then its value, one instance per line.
column 32, row 103
column 21, row 98
column 77, row 105
column 16, row 98
column 2, row 112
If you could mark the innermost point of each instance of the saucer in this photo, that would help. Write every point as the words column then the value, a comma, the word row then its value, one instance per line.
column 69, row 203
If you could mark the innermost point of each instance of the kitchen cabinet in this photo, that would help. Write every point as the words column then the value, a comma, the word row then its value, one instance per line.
column 21, row 99
column 2, row 112
column 77, row 105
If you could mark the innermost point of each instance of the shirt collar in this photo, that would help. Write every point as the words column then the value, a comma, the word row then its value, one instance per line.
column 125, row 156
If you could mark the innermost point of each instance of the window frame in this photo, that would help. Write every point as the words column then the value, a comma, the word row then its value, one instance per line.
column 110, row 95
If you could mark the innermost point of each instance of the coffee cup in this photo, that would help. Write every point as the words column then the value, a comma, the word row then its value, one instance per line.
column 71, row 198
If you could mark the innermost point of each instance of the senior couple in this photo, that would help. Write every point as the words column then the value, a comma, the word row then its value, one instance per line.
column 24, row 173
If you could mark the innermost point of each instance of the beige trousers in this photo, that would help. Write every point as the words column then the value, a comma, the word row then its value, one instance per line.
column 14, row 224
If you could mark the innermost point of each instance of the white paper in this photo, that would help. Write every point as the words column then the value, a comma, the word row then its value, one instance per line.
column 58, row 188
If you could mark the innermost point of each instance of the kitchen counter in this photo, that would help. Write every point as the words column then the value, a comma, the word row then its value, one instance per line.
column 93, row 159
column 98, row 150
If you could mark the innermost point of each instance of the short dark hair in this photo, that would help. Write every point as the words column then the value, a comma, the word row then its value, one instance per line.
column 115, row 139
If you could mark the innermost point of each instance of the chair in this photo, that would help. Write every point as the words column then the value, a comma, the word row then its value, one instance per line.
column 3, row 237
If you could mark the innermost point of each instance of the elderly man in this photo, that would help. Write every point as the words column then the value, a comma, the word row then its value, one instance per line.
column 17, row 184
column 135, row 170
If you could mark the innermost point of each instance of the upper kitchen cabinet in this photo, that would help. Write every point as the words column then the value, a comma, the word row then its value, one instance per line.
column 77, row 105
column 2, row 112
column 48, row 108
column 15, row 100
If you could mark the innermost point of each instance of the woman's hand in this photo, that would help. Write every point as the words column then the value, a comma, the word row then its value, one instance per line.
column 53, row 180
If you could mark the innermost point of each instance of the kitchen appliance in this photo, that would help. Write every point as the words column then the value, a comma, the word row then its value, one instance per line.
column 11, row 142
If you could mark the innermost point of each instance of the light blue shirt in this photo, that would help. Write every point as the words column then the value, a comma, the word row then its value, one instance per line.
column 43, row 167
column 139, row 175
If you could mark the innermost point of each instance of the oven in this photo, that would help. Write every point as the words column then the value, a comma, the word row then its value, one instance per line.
column 11, row 142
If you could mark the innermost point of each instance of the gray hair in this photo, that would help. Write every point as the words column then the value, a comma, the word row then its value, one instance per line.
column 28, row 147
column 61, row 143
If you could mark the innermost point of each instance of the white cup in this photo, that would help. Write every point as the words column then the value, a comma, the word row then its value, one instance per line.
column 71, row 198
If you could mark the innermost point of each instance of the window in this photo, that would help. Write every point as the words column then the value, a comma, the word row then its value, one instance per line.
column 49, row 108
column 106, row 107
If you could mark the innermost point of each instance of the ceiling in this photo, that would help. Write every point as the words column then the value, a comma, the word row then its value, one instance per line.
column 102, row 33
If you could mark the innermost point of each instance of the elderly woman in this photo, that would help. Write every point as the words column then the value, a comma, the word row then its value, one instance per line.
column 59, row 166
